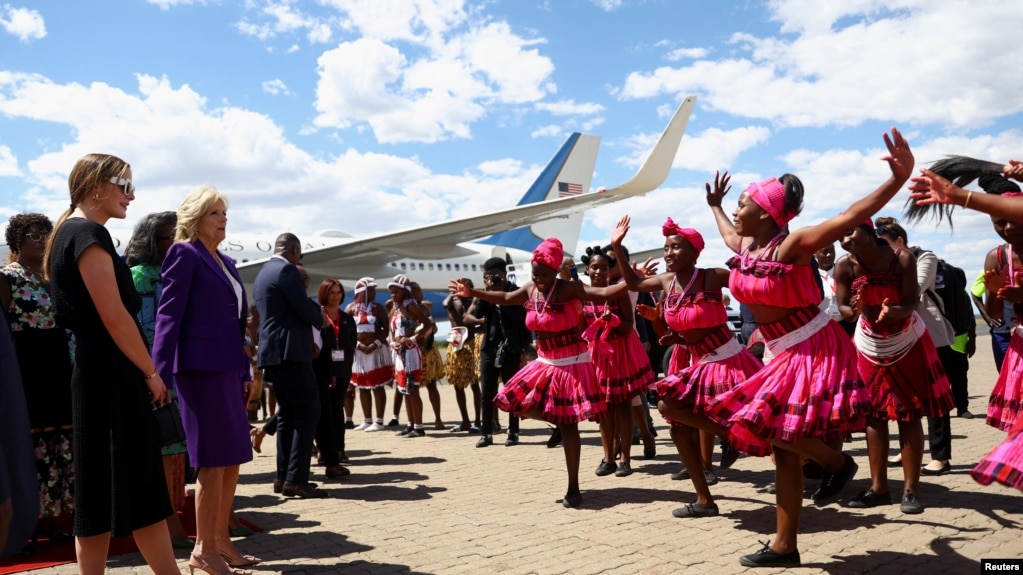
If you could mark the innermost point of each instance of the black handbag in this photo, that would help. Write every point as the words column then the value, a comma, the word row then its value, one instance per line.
column 168, row 419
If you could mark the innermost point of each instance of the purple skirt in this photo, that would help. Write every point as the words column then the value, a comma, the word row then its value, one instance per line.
column 213, row 413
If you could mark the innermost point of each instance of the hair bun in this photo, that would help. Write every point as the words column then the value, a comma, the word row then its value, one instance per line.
column 996, row 184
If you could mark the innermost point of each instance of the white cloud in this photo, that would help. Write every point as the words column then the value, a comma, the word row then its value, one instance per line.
column 276, row 87
column 22, row 23
column 686, row 54
column 570, row 108
column 8, row 162
column 940, row 61
column 168, row 4
column 708, row 150
column 175, row 140
column 608, row 5
column 548, row 131
column 431, row 95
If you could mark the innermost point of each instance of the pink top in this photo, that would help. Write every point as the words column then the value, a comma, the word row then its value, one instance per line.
column 757, row 282
column 694, row 308
column 542, row 314
column 874, row 287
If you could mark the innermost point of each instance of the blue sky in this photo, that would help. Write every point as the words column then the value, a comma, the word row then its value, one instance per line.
column 373, row 115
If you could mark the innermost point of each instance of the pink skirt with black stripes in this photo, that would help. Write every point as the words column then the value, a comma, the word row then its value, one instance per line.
column 565, row 393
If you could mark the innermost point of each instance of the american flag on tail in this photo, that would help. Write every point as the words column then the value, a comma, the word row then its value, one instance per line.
column 566, row 189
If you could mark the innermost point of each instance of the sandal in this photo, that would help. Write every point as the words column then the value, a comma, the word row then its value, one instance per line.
column 695, row 510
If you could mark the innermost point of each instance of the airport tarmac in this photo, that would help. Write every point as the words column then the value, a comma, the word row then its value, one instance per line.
column 439, row 505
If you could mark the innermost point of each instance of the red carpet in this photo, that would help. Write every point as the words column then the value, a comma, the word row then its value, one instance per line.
column 46, row 553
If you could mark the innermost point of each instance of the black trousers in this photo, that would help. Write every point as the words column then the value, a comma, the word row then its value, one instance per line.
column 489, row 375
column 298, row 413
column 939, row 429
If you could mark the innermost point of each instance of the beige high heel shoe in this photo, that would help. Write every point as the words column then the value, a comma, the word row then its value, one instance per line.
column 242, row 561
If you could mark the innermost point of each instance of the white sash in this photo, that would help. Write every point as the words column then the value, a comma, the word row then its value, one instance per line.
column 583, row 357
column 775, row 346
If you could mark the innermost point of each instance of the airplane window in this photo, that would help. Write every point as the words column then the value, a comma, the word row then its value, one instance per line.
column 458, row 267
column 447, row 267
column 402, row 265
column 473, row 267
column 421, row 267
column 430, row 266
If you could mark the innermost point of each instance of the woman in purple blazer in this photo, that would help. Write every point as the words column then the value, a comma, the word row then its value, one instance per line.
column 200, row 329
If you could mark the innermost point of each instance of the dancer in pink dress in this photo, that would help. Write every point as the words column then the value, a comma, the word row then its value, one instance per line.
column 809, row 392
column 623, row 369
column 560, row 386
column 1004, row 463
column 897, row 358
column 694, row 312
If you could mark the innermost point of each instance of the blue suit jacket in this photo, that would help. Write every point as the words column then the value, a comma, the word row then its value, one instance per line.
column 286, row 314
column 197, row 322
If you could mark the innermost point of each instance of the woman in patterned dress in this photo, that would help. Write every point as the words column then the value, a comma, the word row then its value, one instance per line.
column 45, row 354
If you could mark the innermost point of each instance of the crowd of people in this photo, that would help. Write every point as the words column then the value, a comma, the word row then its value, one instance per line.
column 837, row 345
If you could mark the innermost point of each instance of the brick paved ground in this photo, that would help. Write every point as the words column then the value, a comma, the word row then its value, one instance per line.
column 439, row 505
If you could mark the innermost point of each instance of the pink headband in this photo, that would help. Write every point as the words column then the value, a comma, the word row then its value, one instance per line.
column 770, row 196
column 549, row 253
column 1011, row 194
column 670, row 228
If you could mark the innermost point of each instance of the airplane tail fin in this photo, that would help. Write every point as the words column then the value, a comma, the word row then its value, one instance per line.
column 567, row 174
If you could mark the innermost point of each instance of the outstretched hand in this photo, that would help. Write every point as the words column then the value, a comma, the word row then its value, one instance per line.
column 930, row 188
column 458, row 288
column 618, row 234
column 1014, row 170
column 721, row 189
column 900, row 157
column 648, row 269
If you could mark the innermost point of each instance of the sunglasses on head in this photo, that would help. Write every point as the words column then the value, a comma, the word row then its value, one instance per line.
column 125, row 184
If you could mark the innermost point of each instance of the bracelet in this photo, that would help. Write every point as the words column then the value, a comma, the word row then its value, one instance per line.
column 967, row 202
column 151, row 376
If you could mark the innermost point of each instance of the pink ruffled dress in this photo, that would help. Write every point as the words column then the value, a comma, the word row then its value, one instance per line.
column 908, row 382
column 1003, row 407
column 810, row 387
column 717, row 362
column 561, row 382
column 620, row 362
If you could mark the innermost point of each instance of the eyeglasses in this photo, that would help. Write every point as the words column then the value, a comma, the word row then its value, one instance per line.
column 493, row 276
column 126, row 186
column 37, row 236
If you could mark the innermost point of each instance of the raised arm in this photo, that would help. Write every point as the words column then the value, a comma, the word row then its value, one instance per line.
column 810, row 239
column 519, row 296
column 930, row 188
column 714, row 199
column 635, row 283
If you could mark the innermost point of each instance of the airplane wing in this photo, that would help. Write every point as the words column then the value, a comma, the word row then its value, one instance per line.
column 441, row 240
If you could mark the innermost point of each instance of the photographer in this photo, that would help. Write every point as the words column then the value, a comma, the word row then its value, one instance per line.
column 505, row 337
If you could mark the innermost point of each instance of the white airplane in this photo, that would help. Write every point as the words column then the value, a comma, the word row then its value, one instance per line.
column 432, row 255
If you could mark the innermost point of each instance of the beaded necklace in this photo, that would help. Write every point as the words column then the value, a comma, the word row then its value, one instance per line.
column 671, row 289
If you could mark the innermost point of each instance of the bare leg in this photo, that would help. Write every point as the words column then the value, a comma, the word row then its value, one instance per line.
column 911, row 438
column 707, row 449
column 431, row 391
column 154, row 543
column 622, row 413
column 349, row 405
column 475, row 389
column 463, row 409
column 380, row 396
column 209, row 497
column 415, row 407
column 91, row 553
column 398, row 399
column 877, row 453
column 639, row 418
column 607, row 437
column 686, row 444
column 224, row 543
column 366, row 400
column 788, row 479
column 572, row 448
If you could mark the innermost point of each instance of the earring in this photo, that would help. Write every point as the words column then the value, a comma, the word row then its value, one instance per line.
column 95, row 197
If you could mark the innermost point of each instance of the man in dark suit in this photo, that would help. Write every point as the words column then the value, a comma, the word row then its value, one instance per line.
column 285, row 355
